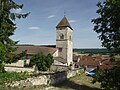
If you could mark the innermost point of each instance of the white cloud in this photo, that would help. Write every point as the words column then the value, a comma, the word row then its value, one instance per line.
column 33, row 28
column 18, row 10
column 72, row 21
column 51, row 16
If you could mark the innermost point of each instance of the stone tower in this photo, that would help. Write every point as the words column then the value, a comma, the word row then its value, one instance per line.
column 64, row 40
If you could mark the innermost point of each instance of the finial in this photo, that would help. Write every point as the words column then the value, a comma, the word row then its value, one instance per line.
column 64, row 13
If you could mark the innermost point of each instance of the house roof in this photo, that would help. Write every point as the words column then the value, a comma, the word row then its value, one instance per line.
column 89, row 61
column 64, row 23
column 104, row 67
column 95, row 61
column 35, row 49
column 60, row 59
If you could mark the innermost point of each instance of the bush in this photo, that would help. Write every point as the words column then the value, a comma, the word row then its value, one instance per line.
column 109, row 79
column 8, row 77
column 42, row 62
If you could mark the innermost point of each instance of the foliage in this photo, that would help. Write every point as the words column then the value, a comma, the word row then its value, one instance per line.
column 41, row 61
column 110, row 79
column 8, row 77
column 7, row 28
column 107, row 24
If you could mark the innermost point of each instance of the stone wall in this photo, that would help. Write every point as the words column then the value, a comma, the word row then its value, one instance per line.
column 19, row 63
column 19, row 69
column 55, row 68
column 45, row 78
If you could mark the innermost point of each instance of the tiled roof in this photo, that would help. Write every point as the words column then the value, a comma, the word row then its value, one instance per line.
column 35, row 49
column 63, row 23
column 60, row 59
column 95, row 61
column 104, row 67
column 89, row 61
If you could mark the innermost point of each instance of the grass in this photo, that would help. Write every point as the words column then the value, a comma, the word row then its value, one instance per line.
column 79, row 82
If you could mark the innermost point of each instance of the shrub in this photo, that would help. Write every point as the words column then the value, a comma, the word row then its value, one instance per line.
column 42, row 62
column 8, row 77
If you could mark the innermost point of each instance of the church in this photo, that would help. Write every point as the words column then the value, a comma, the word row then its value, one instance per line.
column 62, row 52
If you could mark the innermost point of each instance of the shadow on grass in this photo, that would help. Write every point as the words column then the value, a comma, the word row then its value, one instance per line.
column 67, row 84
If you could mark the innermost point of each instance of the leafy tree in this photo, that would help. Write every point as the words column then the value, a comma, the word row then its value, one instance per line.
column 107, row 25
column 7, row 28
column 109, row 79
column 49, row 60
column 42, row 62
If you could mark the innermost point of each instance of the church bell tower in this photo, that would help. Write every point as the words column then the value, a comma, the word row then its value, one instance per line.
column 64, row 40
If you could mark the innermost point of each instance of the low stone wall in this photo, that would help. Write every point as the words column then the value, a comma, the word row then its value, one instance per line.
column 19, row 69
column 19, row 63
column 60, row 68
column 45, row 78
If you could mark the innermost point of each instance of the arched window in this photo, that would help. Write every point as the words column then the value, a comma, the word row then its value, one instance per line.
column 70, row 38
column 61, row 36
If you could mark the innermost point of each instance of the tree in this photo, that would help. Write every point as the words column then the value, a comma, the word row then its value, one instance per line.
column 109, row 79
column 42, row 62
column 49, row 60
column 107, row 25
column 7, row 28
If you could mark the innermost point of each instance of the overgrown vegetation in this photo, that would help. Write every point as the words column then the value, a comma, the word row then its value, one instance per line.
column 78, row 82
column 7, row 28
column 108, row 28
column 8, row 77
column 41, row 61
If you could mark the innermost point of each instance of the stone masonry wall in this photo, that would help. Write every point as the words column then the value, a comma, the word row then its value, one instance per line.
column 45, row 79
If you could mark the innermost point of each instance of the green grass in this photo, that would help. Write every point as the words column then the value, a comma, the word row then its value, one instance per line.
column 8, row 77
column 79, row 82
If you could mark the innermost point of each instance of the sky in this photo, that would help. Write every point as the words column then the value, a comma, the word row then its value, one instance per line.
column 39, row 28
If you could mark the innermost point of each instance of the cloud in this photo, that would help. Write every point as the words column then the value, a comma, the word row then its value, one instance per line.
column 17, row 10
column 33, row 28
column 72, row 21
column 51, row 16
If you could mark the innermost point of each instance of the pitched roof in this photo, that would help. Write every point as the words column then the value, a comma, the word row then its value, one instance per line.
column 60, row 59
column 35, row 49
column 88, row 60
column 63, row 23
column 104, row 67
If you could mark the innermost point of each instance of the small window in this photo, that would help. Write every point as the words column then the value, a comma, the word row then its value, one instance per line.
column 60, row 49
column 61, row 36
column 70, row 38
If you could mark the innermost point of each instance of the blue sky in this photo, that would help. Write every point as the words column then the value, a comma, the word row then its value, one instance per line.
column 39, row 27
